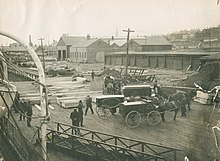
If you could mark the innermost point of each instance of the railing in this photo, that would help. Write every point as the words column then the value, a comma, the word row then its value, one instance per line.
column 27, row 76
column 24, row 148
column 116, row 146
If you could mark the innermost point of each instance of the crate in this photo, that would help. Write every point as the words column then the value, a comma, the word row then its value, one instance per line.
column 204, row 98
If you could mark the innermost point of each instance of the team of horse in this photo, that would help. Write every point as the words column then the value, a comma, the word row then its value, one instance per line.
column 172, row 102
column 165, row 100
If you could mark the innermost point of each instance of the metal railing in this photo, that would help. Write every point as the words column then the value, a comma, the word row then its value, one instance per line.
column 24, row 148
column 107, row 146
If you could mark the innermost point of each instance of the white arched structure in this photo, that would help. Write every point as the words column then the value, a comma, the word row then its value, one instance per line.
column 43, row 94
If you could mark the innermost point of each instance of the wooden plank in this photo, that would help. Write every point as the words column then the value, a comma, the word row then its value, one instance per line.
column 62, row 99
column 69, row 103
column 203, row 101
column 203, row 95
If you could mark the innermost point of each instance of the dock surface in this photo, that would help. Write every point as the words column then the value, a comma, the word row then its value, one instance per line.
column 189, row 134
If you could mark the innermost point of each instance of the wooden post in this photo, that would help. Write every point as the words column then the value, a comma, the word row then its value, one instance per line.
column 126, row 71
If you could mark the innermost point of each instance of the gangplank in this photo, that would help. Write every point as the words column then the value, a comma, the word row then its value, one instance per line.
column 99, row 146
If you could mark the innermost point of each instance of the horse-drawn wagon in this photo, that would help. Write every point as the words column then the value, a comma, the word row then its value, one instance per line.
column 107, row 105
column 129, row 107
column 136, row 112
column 138, row 104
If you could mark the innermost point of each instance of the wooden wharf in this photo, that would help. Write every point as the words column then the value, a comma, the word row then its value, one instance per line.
column 189, row 134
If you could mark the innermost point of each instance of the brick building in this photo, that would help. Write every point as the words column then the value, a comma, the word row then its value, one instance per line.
column 81, row 49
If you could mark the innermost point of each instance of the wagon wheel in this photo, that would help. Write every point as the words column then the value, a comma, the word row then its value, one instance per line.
column 103, row 112
column 133, row 119
column 153, row 117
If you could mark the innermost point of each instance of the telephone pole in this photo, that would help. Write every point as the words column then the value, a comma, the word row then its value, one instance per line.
column 41, row 40
column 126, row 69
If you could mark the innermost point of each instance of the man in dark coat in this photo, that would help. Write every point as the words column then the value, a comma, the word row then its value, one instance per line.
column 80, row 107
column 16, row 102
column 89, row 104
column 22, row 109
column 182, row 104
column 75, row 120
column 29, row 113
column 93, row 75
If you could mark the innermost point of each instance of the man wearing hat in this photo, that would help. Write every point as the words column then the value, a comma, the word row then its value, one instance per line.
column 80, row 107
column 88, row 104
column 22, row 109
column 75, row 120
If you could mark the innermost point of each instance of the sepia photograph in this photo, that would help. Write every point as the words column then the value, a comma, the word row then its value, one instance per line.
column 109, row 80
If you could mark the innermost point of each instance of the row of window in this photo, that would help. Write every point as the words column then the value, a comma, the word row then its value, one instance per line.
column 78, row 54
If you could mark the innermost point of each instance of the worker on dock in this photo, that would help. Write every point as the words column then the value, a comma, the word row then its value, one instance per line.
column 22, row 109
column 80, row 107
column 16, row 102
column 93, row 75
column 88, row 105
column 75, row 120
column 156, row 88
column 29, row 113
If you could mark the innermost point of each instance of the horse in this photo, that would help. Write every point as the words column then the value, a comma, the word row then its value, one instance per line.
column 174, row 102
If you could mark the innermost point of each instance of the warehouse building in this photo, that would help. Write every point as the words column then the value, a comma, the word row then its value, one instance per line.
column 166, row 59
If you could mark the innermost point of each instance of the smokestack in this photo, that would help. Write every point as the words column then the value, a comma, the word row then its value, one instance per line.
column 30, row 43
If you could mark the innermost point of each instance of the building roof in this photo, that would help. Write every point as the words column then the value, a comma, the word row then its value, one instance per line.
column 162, row 53
column 84, row 43
column 75, row 41
column 18, row 48
column 118, row 42
column 70, row 40
column 152, row 41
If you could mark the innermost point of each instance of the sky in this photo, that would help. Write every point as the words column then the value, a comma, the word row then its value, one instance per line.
column 49, row 19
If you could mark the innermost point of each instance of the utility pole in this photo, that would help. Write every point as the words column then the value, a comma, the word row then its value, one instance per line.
column 126, row 69
column 41, row 40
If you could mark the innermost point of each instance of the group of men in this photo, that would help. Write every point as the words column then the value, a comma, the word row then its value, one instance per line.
column 24, row 108
column 77, row 115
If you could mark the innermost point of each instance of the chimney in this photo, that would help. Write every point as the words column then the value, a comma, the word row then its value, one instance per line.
column 113, row 38
column 30, row 43
column 88, row 37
